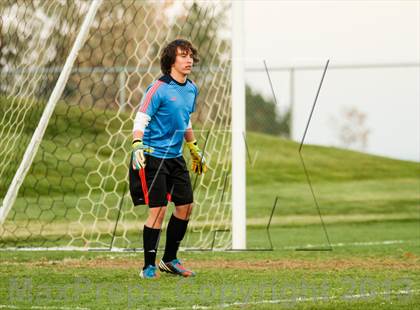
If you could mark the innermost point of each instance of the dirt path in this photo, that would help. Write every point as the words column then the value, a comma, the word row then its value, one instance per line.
column 412, row 262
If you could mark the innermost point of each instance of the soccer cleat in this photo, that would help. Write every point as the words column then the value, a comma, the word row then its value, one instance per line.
column 175, row 267
column 149, row 272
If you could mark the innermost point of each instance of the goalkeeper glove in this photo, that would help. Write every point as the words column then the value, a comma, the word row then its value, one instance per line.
column 198, row 161
column 137, row 155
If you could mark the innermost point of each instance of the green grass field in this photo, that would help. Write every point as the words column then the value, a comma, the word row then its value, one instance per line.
column 364, row 271
column 370, row 206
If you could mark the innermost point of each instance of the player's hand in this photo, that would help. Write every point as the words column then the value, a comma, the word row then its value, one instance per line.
column 138, row 159
column 198, row 161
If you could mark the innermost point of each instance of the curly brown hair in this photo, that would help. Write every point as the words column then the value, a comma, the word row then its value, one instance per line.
column 167, row 58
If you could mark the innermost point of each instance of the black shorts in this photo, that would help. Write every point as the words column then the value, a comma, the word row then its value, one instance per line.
column 162, row 180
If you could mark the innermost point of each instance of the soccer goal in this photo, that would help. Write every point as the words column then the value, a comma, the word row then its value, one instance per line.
column 72, row 77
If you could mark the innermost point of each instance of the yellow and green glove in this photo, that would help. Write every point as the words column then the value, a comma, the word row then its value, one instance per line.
column 198, row 164
column 137, row 155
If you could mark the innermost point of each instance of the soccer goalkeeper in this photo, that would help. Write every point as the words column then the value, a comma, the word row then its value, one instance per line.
column 161, row 124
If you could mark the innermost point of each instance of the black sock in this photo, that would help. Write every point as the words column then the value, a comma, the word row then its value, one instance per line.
column 174, row 235
column 150, row 245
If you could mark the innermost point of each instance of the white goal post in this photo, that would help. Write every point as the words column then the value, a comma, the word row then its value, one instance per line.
column 238, row 130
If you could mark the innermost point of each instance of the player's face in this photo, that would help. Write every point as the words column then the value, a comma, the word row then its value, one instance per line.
column 183, row 61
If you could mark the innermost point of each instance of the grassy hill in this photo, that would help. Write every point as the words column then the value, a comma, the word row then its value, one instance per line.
column 344, row 182
column 278, row 161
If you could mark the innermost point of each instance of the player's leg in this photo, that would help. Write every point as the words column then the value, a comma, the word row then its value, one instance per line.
column 156, row 183
column 151, row 234
column 177, row 227
column 182, row 196
column 175, row 233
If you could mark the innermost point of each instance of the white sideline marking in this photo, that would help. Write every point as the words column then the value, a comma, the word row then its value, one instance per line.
column 298, row 299
column 42, row 307
column 290, row 247
column 343, row 244
column 226, row 305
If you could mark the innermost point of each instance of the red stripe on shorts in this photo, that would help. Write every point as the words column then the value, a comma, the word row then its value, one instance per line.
column 142, row 174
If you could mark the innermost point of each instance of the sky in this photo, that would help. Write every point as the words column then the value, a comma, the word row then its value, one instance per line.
column 296, row 33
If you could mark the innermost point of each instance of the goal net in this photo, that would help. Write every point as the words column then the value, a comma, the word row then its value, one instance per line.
column 75, row 194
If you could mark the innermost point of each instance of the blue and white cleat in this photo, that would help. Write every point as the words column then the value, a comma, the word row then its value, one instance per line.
column 150, row 272
column 175, row 267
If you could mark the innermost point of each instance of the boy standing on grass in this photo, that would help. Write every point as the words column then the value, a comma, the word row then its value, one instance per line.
column 161, row 124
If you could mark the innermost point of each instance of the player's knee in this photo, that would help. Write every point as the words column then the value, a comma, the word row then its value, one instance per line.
column 156, row 216
column 184, row 211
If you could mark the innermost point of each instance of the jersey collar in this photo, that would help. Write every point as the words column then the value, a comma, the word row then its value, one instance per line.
column 180, row 84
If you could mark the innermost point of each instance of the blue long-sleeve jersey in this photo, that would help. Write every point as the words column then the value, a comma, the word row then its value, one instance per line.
column 169, row 105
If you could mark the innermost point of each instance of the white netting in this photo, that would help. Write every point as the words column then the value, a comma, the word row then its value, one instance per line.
column 76, row 192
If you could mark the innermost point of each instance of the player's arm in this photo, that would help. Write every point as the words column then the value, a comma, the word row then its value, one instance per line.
column 138, row 159
column 198, row 164
column 147, row 109
column 189, row 133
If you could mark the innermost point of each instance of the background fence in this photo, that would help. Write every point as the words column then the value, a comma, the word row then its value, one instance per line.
column 369, row 107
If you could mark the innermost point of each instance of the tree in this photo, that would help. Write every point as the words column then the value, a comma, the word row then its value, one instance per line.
column 262, row 116
column 351, row 129
column 33, row 33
